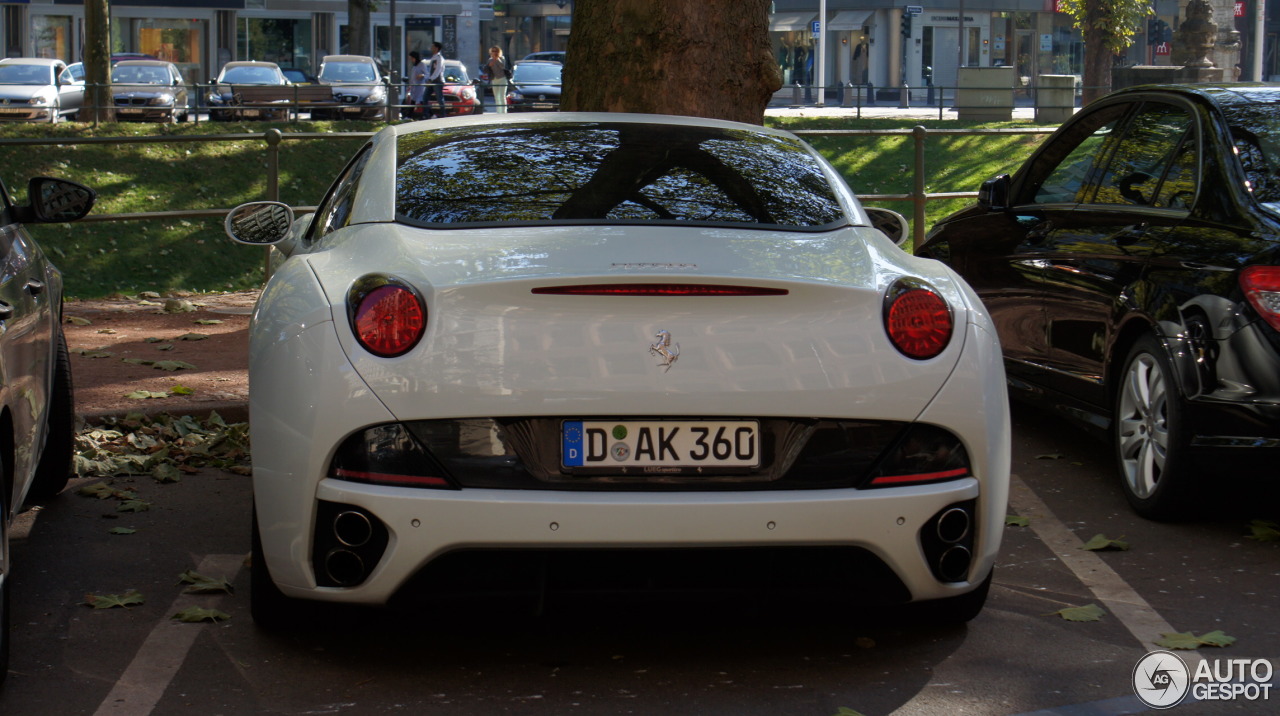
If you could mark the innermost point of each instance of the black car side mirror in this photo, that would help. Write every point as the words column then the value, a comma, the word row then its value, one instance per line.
column 994, row 193
column 56, row 201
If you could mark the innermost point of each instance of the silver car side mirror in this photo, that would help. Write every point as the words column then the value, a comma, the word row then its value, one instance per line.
column 259, row 223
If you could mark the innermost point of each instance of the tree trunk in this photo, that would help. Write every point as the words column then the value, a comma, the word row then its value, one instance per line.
column 358, row 40
column 98, row 105
column 703, row 58
column 1097, row 54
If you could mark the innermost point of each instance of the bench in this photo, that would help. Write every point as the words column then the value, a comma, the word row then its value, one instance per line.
column 296, row 96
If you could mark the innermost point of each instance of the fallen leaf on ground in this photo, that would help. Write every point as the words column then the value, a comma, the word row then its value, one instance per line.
column 144, row 395
column 1016, row 521
column 200, row 584
column 193, row 615
column 172, row 365
column 78, row 321
column 1187, row 640
column 133, row 506
column 192, row 337
column 1087, row 613
column 1101, row 542
column 107, row 601
column 121, row 531
column 1264, row 531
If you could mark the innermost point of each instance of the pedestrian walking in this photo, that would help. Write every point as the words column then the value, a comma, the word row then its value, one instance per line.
column 417, row 84
column 435, row 80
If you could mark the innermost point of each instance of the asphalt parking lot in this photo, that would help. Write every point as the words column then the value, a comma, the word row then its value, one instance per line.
column 626, row 655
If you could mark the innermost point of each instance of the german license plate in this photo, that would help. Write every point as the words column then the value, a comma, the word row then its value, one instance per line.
column 250, row 112
column 653, row 445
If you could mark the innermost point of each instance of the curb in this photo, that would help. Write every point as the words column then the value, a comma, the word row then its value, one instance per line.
column 230, row 411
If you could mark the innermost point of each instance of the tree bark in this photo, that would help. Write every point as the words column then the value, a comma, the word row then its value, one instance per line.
column 1097, row 54
column 358, row 40
column 703, row 58
column 98, row 106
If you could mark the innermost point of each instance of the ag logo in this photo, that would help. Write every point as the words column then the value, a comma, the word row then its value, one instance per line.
column 1161, row 679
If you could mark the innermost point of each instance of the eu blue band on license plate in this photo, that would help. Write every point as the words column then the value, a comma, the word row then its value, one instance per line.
column 660, row 443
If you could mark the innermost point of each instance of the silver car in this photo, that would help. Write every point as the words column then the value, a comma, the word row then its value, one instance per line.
column 149, row 89
column 35, row 89
column 35, row 397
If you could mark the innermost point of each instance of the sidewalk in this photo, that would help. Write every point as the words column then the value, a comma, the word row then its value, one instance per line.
column 783, row 104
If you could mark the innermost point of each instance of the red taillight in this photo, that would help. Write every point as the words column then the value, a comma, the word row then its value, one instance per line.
column 920, row 477
column 1261, row 286
column 658, row 289
column 918, row 320
column 389, row 320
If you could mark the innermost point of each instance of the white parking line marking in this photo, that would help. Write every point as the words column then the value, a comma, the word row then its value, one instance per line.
column 140, row 687
column 1121, row 600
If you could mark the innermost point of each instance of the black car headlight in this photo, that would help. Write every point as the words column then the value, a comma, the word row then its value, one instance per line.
column 387, row 455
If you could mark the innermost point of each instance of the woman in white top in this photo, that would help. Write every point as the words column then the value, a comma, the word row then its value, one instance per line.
column 497, row 68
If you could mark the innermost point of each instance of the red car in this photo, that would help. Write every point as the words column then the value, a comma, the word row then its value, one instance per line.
column 460, row 95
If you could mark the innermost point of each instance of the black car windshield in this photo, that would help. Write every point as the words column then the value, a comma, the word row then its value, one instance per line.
column 1255, row 131
column 549, row 74
column 139, row 75
column 348, row 72
column 611, row 173
column 26, row 75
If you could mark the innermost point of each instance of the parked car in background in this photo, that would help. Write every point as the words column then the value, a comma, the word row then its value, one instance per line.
column 460, row 93
column 34, row 89
column 226, row 101
column 299, row 77
column 359, row 88
column 666, row 347
column 1132, row 268
column 36, row 400
column 546, row 56
column 535, row 86
column 149, row 89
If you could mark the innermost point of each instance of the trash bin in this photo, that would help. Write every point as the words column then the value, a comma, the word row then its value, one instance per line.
column 1055, row 98
column 984, row 94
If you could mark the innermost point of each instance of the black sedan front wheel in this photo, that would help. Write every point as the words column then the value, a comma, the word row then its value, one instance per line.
column 1149, row 434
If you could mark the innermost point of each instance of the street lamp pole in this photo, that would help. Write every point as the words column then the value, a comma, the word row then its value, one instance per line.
column 822, row 52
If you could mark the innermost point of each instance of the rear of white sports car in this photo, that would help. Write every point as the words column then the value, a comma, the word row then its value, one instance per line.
column 440, row 380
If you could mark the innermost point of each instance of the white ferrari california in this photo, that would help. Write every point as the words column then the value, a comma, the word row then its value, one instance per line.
column 502, row 344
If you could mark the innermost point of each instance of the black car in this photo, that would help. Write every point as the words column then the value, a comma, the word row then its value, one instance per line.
column 38, row 428
column 535, row 86
column 1132, row 270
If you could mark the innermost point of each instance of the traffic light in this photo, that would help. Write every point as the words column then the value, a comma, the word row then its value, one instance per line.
column 906, row 25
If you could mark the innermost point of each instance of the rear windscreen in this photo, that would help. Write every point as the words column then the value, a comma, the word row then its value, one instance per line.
column 558, row 172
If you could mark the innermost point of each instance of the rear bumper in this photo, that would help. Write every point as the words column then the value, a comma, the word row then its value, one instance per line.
column 425, row 525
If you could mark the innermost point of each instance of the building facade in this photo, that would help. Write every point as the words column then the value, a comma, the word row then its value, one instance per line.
column 202, row 35
column 890, row 45
column 868, row 42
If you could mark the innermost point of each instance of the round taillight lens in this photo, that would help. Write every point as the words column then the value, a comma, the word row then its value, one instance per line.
column 389, row 320
column 918, row 321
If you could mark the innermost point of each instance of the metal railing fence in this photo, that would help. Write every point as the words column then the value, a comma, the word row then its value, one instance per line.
column 273, row 138
column 853, row 97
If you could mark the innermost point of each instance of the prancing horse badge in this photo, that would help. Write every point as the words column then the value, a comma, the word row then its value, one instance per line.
column 665, row 350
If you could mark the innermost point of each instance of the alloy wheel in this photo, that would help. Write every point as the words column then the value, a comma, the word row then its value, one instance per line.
column 1142, row 425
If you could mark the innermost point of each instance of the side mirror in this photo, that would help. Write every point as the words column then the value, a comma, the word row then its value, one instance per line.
column 994, row 193
column 57, row 200
column 259, row 223
column 890, row 223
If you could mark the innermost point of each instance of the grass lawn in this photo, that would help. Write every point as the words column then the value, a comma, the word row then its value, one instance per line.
column 193, row 254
